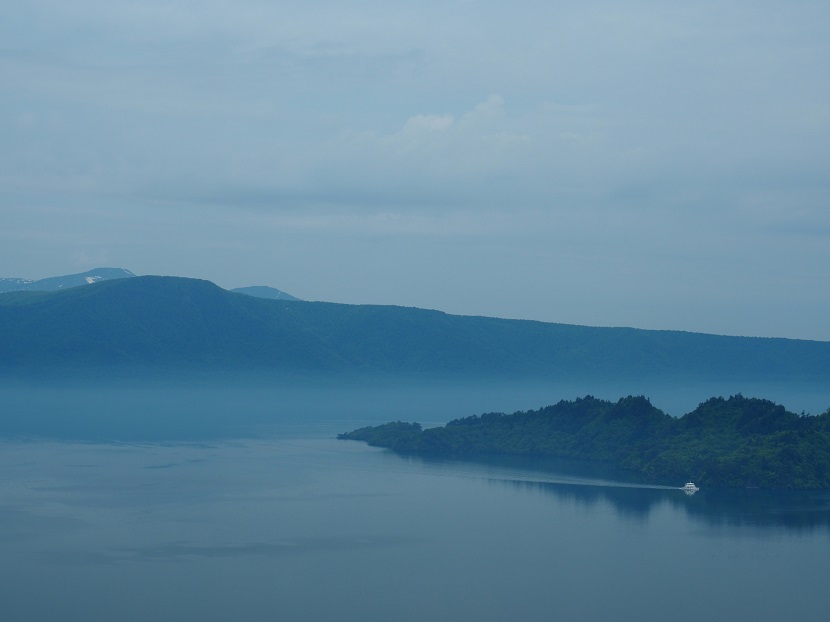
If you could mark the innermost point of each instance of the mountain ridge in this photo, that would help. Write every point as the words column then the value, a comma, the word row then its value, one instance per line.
column 54, row 283
column 264, row 291
column 176, row 322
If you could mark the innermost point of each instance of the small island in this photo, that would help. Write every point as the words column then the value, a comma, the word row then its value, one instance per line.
column 737, row 442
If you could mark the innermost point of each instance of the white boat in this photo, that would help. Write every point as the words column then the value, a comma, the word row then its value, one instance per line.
column 690, row 488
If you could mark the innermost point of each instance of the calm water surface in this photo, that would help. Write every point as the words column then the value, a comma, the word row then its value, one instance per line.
column 287, row 523
column 305, row 527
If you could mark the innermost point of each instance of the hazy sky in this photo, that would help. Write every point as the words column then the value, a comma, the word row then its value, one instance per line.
column 652, row 164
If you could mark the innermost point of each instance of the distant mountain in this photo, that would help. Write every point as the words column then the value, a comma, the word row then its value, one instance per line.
column 263, row 291
column 106, row 274
column 63, row 282
column 152, row 322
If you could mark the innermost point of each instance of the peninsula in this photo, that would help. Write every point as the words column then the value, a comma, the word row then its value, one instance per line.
column 728, row 443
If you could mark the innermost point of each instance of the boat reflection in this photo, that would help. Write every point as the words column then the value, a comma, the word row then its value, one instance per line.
column 591, row 484
column 791, row 510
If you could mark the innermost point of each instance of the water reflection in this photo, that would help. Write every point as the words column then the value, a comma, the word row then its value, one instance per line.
column 591, row 484
column 792, row 510
column 320, row 529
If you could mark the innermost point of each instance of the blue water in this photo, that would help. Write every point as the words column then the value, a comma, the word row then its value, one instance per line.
column 291, row 524
column 319, row 529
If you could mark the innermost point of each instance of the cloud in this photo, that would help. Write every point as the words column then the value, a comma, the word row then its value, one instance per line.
column 374, row 103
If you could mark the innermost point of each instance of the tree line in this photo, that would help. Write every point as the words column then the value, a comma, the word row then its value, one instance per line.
column 724, row 442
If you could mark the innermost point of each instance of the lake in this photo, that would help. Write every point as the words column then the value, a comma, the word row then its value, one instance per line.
column 283, row 522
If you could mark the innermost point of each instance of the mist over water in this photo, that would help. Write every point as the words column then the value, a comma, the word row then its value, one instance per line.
column 211, row 501
column 212, row 407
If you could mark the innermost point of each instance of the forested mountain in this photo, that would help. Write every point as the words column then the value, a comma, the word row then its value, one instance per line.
column 169, row 322
column 735, row 442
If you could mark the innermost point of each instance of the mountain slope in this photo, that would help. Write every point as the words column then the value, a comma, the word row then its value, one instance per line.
column 263, row 291
column 150, row 321
column 170, row 322
column 64, row 282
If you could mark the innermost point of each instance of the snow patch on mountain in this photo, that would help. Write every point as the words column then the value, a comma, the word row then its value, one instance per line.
column 63, row 282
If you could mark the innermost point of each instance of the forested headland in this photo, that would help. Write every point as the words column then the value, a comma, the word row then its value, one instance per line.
column 735, row 442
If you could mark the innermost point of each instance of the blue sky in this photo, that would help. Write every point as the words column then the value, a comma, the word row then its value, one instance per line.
column 648, row 164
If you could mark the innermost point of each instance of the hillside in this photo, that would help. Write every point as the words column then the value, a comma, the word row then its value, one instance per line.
column 170, row 322
column 735, row 442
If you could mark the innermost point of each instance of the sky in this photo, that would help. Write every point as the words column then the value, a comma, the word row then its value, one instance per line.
column 654, row 164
